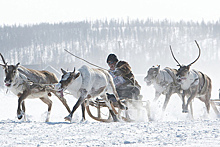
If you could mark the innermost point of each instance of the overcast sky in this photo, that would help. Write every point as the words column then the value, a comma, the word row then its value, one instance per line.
column 37, row 11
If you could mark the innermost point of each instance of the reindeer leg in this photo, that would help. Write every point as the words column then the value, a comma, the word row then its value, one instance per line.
column 104, row 97
column 83, row 112
column 207, row 102
column 23, row 109
column 63, row 100
column 191, row 111
column 183, row 100
column 47, row 101
column 114, row 116
column 21, row 98
column 79, row 102
column 121, row 106
column 157, row 95
column 126, row 112
column 168, row 95
column 185, row 110
column 215, row 108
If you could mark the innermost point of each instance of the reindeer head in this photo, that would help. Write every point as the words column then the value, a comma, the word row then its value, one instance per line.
column 66, row 79
column 122, row 68
column 152, row 74
column 183, row 70
column 10, row 72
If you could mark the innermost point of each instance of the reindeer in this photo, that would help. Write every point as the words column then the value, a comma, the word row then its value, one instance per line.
column 88, row 83
column 194, row 83
column 164, row 82
column 29, row 83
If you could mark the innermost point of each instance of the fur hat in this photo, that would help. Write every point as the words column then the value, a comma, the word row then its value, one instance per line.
column 112, row 57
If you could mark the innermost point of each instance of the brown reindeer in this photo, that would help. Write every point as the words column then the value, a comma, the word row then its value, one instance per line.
column 29, row 83
column 194, row 83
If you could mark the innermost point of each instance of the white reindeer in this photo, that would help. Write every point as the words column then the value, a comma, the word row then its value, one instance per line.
column 164, row 82
column 88, row 83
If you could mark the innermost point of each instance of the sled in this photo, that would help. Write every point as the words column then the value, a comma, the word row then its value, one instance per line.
column 97, row 109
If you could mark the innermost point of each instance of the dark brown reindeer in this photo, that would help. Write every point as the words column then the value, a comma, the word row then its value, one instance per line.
column 194, row 83
column 29, row 83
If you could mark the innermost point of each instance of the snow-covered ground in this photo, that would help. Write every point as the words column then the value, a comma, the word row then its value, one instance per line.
column 173, row 128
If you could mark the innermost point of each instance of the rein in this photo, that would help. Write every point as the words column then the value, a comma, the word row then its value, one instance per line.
column 171, row 74
column 46, row 86
column 84, row 60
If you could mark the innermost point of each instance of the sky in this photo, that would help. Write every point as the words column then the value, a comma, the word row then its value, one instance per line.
column 54, row 11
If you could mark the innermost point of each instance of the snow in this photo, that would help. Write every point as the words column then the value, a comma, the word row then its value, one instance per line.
column 171, row 128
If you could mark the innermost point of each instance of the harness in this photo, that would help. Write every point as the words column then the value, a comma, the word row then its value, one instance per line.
column 22, row 80
column 162, row 81
column 168, row 70
column 202, row 85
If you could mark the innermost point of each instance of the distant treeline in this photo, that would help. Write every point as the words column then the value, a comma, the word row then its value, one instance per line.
column 141, row 42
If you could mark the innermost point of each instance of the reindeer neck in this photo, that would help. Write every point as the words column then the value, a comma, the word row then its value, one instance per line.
column 159, row 77
column 191, row 79
column 18, row 84
column 75, row 85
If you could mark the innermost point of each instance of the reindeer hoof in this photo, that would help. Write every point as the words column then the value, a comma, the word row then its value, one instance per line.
column 185, row 111
column 115, row 119
column 20, row 116
column 68, row 118
column 124, row 108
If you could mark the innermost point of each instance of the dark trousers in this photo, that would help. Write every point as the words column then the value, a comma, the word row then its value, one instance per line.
column 126, row 92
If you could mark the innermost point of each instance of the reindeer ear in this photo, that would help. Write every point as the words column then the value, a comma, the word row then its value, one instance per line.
column 77, row 75
column 188, row 67
column 2, row 65
column 17, row 65
column 63, row 71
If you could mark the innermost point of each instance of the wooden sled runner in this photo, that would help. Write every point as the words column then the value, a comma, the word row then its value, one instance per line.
column 96, row 109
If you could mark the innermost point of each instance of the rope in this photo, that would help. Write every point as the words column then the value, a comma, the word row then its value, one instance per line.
column 84, row 60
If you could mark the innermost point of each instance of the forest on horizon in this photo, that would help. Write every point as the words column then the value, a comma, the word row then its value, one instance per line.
column 140, row 42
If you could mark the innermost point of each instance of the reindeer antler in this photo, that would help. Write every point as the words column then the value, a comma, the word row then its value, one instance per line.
column 198, row 56
column 5, row 64
column 174, row 57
